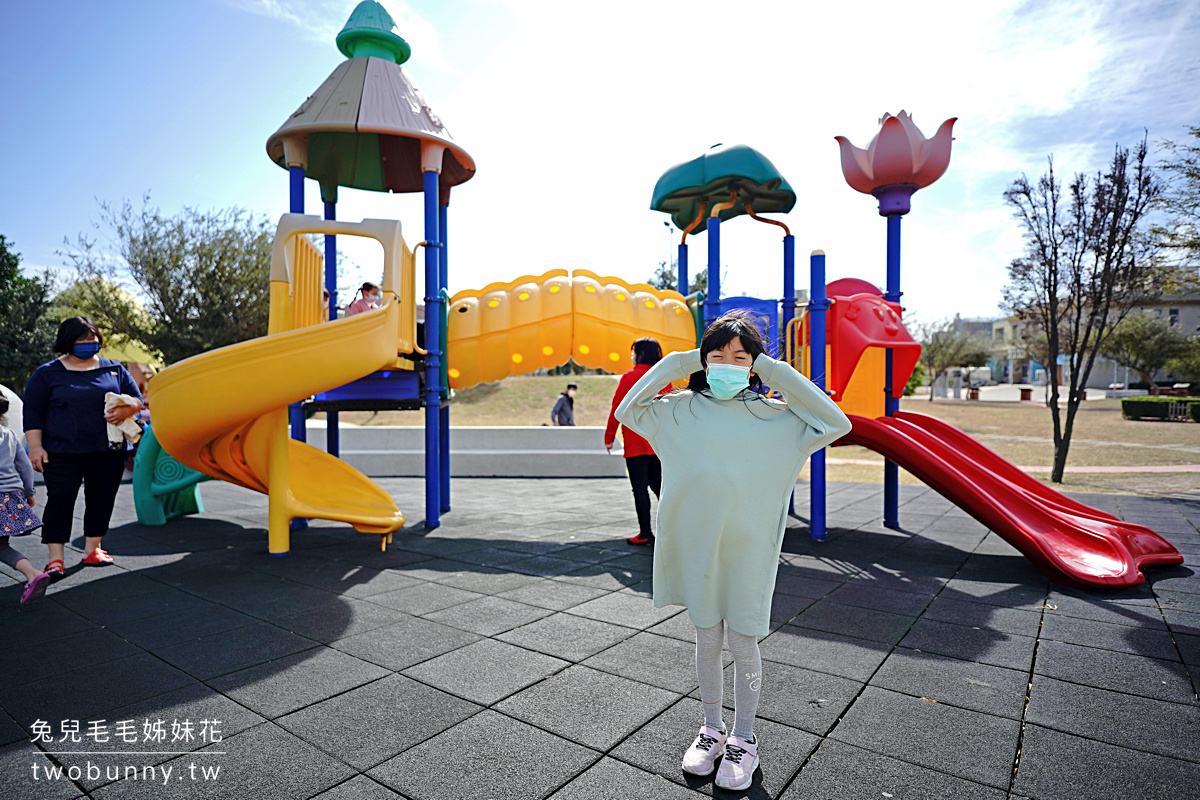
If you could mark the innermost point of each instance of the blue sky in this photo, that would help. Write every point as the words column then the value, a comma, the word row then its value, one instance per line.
column 573, row 110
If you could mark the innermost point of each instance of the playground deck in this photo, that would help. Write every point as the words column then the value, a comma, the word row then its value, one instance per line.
column 515, row 653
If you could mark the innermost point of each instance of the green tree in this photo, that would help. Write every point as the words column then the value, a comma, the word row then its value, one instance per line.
column 26, row 333
column 946, row 344
column 202, row 277
column 1144, row 343
column 1181, row 199
column 1185, row 364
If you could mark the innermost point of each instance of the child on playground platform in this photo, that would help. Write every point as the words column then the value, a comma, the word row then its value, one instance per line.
column 730, row 461
column 16, row 508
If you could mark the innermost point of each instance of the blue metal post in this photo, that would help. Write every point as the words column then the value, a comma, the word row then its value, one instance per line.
column 712, row 305
column 444, row 416
column 332, row 434
column 433, row 403
column 891, row 472
column 817, row 305
column 789, row 288
column 683, row 269
column 296, row 410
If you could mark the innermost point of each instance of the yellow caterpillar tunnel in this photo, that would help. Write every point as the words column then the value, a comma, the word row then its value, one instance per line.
column 543, row 321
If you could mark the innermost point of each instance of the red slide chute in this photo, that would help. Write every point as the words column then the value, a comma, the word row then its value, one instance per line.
column 1068, row 541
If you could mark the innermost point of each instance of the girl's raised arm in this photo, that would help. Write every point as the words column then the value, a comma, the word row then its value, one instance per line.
column 806, row 401
column 638, row 411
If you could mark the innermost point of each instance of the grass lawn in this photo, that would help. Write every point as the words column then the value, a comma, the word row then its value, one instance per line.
column 1020, row 432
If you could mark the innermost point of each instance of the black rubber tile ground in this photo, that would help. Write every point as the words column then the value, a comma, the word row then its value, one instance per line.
column 265, row 762
column 584, row 705
column 1106, row 666
column 971, row 644
column 486, row 671
column 967, row 744
column 984, row 615
column 860, row 623
column 1168, row 729
column 1119, row 672
column 1150, row 642
column 1058, row 766
column 657, row 660
column 488, row 756
column 408, row 642
column 372, row 723
column 568, row 637
column 228, row 651
column 488, row 616
column 610, row 778
column 25, row 772
column 856, row 659
column 839, row 771
column 966, row 684
column 554, row 595
column 296, row 681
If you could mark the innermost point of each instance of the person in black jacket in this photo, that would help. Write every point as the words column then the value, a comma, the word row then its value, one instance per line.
column 563, row 412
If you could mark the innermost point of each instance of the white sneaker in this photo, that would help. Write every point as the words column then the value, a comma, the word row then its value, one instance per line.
column 739, row 763
column 700, row 757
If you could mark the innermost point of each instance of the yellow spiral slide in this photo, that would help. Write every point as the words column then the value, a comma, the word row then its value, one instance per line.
column 224, row 413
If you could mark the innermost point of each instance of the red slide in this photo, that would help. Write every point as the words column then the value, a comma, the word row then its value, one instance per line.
column 1070, row 542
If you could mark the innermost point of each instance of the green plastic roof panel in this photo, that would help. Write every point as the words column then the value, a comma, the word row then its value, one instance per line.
column 711, row 178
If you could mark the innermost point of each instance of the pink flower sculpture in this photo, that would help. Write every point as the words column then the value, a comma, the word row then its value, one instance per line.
column 898, row 155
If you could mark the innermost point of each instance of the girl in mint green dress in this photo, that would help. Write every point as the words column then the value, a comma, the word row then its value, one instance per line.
column 730, row 460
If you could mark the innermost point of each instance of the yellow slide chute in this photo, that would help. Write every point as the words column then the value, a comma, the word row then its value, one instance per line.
column 224, row 413
column 542, row 321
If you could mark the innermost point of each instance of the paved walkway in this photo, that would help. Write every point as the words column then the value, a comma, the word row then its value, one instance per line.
column 515, row 653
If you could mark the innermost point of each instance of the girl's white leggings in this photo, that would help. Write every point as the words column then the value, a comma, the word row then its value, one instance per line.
column 747, row 682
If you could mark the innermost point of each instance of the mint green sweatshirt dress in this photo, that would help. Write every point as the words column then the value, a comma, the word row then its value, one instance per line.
column 728, row 468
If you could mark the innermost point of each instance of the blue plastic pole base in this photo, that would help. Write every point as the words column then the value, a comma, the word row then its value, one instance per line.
column 816, row 501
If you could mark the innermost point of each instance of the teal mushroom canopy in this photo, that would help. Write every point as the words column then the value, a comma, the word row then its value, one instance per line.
column 712, row 177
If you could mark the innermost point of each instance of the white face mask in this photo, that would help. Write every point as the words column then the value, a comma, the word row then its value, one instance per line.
column 374, row 296
column 570, row 392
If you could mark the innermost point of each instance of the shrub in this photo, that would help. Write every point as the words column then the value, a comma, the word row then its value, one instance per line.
column 1157, row 407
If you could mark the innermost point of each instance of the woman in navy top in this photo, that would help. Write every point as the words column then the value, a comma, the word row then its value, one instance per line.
column 65, row 427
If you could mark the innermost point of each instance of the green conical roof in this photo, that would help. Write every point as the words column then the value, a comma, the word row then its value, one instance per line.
column 711, row 178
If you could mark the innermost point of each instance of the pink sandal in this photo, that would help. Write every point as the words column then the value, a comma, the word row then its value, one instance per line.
column 35, row 589
column 98, row 558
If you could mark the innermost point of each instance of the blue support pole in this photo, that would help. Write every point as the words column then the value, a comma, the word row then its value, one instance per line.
column 816, row 372
column 296, row 410
column 332, row 434
column 789, row 288
column 433, row 402
column 683, row 269
column 444, row 415
column 891, row 472
column 712, row 304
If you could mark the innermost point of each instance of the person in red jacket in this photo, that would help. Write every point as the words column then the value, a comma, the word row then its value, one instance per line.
column 645, row 471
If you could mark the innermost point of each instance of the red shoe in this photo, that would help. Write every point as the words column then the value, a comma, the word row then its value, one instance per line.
column 55, row 570
column 641, row 538
column 98, row 558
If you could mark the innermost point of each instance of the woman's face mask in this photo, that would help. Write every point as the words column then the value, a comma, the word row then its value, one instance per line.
column 85, row 351
column 726, row 380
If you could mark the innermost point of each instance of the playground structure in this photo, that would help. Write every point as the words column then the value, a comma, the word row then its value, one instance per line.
column 369, row 127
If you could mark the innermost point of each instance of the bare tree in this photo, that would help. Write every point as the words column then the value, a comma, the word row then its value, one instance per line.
column 946, row 344
column 1181, row 200
column 1089, row 260
column 201, row 277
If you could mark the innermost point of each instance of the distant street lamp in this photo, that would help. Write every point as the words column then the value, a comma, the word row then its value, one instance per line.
column 670, row 245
